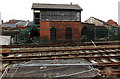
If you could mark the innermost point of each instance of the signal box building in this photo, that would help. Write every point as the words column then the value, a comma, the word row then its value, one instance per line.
column 58, row 21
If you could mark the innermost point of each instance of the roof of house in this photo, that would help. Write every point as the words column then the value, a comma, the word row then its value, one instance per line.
column 8, row 25
column 22, row 23
column 105, row 23
column 102, row 21
column 56, row 6
column 112, row 22
column 13, row 21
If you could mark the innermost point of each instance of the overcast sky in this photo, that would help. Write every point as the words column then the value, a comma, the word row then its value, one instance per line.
column 21, row 9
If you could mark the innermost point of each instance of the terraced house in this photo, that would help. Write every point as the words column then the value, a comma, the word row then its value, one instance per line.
column 58, row 21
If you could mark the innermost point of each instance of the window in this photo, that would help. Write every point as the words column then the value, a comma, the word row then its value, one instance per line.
column 37, row 18
column 60, row 15
column 53, row 33
column 68, row 33
column 37, row 15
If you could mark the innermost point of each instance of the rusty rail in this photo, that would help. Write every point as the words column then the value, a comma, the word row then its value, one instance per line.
column 66, row 54
column 113, row 72
column 58, row 50
column 51, row 57
column 62, row 44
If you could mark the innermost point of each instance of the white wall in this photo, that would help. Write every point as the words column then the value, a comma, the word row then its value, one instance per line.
column 94, row 21
column 4, row 40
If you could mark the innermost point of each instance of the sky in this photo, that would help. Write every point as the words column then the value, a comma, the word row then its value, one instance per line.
column 21, row 9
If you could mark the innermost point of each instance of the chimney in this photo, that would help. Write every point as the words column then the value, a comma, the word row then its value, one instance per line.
column 27, row 20
column 10, row 22
column 2, row 21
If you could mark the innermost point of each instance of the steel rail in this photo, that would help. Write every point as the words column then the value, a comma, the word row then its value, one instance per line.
column 57, row 50
column 62, row 44
column 51, row 58
column 64, row 54
column 113, row 72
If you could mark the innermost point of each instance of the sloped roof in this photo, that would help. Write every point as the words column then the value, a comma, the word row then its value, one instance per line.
column 8, row 25
column 105, row 23
column 56, row 6
column 22, row 23
column 13, row 21
column 112, row 22
column 102, row 21
column 30, row 24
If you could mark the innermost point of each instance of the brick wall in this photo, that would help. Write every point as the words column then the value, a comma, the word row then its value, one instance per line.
column 45, row 27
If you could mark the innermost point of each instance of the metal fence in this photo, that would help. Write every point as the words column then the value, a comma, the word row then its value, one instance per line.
column 76, row 68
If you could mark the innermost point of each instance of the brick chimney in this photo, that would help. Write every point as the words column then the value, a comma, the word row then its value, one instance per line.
column 10, row 22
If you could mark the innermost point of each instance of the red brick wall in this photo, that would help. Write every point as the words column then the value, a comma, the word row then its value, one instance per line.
column 61, row 29
column 44, row 30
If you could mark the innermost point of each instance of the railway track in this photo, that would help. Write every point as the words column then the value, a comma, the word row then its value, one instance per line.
column 113, row 72
column 76, row 48
column 102, row 54
column 62, row 44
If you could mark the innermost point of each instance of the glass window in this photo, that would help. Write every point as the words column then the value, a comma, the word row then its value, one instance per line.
column 53, row 33
column 68, row 33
